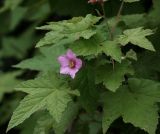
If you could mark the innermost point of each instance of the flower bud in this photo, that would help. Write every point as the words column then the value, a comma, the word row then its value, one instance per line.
column 96, row 1
column 93, row 1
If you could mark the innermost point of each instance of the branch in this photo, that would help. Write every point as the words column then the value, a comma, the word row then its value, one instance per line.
column 118, row 16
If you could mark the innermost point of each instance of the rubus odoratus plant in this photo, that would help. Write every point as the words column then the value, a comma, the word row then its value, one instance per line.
column 87, row 75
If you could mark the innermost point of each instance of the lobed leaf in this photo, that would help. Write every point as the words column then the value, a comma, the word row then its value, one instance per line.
column 68, row 31
column 45, row 92
column 135, row 102
column 67, row 118
column 45, row 61
column 96, row 45
column 112, row 76
column 137, row 36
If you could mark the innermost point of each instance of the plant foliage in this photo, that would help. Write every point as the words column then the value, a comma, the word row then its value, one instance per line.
column 117, row 86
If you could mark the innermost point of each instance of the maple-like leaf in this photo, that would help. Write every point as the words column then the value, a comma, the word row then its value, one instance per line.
column 68, row 31
column 135, row 102
column 45, row 61
column 113, row 76
column 47, row 91
column 137, row 36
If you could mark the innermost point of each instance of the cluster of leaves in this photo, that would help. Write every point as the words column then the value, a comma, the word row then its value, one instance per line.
column 119, row 78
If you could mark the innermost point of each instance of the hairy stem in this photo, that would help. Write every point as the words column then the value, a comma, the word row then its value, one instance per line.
column 118, row 16
column 103, row 9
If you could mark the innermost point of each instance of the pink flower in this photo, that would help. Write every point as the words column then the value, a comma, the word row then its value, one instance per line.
column 92, row 1
column 70, row 64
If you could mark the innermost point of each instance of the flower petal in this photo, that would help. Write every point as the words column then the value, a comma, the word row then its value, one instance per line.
column 64, row 70
column 73, row 72
column 70, row 54
column 63, row 60
column 78, row 63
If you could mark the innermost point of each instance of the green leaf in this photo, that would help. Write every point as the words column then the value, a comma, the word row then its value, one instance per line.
column 48, row 92
column 91, row 46
column 153, row 16
column 45, row 61
column 85, row 83
column 113, row 76
column 27, row 127
column 86, row 47
column 67, row 118
column 112, row 48
column 7, row 82
column 10, row 104
column 137, row 37
column 44, row 124
column 68, row 31
column 16, row 16
column 131, row 21
column 10, row 4
column 96, row 45
column 41, row 12
column 28, row 106
column 134, row 20
column 12, row 47
column 57, row 103
column 148, row 65
column 131, row 54
column 135, row 102
column 94, row 127
column 5, row 20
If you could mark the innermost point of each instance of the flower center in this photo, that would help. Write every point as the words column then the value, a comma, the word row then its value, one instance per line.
column 71, row 63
